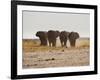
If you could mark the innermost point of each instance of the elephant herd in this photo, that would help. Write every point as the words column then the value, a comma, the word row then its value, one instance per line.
column 51, row 36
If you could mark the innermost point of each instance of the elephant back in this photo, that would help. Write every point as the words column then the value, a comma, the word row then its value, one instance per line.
column 64, row 34
column 73, row 35
column 52, row 34
column 41, row 34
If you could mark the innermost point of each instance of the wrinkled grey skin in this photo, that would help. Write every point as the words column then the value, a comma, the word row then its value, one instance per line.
column 63, row 38
column 73, row 36
column 52, row 36
column 43, row 37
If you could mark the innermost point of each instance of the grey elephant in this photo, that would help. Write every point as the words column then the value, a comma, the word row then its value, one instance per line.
column 52, row 36
column 63, row 38
column 73, row 36
column 43, row 37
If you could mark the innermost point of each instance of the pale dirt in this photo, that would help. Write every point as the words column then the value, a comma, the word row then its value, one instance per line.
column 35, row 56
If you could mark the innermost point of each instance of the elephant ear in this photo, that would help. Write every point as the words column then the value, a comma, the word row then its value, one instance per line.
column 57, row 33
column 73, row 35
column 77, row 35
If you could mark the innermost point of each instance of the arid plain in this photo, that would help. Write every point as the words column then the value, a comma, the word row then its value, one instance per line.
column 36, row 56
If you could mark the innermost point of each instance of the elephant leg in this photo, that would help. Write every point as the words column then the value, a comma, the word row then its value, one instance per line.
column 72, row 43
column 45, row 42
column 54, row 43
column 65, row 44
column 61, row 43
column 41, row 42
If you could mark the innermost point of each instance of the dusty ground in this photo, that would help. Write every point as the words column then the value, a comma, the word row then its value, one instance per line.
column 35, row 56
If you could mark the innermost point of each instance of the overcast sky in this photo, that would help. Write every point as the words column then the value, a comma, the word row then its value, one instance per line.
column 34, row 21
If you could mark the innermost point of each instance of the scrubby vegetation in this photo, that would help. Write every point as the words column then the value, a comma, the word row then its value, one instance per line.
column 31, row 45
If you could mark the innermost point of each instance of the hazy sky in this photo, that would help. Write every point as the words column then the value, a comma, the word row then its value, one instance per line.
column 34, row 21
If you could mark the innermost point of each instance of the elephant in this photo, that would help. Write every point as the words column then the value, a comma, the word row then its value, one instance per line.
column 43, row 37
column 52, row 36
column 63, row 38
column 73, row 36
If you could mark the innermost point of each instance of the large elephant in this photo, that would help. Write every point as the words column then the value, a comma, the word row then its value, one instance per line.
column 52, row 36
column 43, row 37
column 63, row 38
column 73, row 36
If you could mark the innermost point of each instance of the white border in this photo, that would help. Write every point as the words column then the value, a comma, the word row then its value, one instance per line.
column 21, row 71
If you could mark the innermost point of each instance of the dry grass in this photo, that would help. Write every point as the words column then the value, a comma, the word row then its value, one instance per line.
column 36, row 56
column 34, row 45
column 83, row 43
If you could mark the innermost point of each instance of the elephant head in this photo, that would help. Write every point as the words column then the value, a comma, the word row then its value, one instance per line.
column 43, row 37
column 63, row 38
column 52, row 36
column 73, row 36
